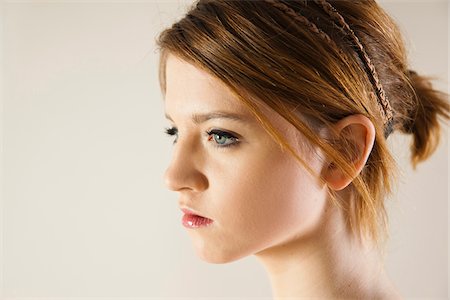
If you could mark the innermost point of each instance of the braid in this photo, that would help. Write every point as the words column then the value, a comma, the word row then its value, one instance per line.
column 387, row 109
column 290, row 12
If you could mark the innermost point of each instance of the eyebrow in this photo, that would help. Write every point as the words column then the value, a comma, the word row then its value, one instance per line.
column 201, row 118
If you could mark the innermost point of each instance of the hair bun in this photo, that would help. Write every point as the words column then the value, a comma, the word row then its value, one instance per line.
column 429, row 105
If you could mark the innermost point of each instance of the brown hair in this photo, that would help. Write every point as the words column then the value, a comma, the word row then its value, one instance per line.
column 302, row 61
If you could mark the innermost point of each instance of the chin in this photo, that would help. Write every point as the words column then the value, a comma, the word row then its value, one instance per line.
column 219, row 256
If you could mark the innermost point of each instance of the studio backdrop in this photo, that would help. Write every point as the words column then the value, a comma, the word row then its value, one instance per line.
column 84, row 209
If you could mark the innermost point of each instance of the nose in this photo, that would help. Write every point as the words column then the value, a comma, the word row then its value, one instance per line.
column 183, row 171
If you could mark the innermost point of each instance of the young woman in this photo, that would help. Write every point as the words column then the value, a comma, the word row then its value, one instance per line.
column 281, row 112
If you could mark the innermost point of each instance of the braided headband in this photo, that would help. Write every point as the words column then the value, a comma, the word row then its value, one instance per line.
column 384, row 105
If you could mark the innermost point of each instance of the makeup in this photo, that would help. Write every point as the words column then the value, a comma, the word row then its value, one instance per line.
column 192, row 220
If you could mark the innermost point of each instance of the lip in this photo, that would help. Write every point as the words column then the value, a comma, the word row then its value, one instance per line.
column 194, row 221
column 190, row 211
column 191, row 219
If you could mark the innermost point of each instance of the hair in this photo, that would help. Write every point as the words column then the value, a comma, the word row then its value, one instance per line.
column 314, row 63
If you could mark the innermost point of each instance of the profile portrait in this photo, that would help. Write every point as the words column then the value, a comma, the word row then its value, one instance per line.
column 281, row 113
column 216, row 149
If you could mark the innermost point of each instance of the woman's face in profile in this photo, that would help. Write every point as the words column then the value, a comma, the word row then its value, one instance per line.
column 231, row 171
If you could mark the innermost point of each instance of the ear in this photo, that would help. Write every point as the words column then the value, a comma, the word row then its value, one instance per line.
column 354, row 136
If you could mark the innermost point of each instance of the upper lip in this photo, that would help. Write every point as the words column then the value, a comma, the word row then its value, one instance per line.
column 190, row 211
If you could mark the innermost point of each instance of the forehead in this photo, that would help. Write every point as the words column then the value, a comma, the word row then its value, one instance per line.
column 191, row 89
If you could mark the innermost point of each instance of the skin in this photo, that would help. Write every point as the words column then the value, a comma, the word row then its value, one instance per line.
column 262, row 201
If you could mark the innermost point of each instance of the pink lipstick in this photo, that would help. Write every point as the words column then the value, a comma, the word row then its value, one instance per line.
column 192, row 220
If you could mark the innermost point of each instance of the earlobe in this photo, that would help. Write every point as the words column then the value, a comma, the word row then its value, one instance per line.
column 355, row 137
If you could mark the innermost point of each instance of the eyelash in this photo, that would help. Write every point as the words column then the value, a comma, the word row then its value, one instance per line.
column 171, row 131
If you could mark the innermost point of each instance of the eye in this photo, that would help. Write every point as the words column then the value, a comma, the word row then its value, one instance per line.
column 222, row 139
column 171, row 131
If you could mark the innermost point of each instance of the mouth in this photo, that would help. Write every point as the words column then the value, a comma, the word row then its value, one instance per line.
column 192, row 219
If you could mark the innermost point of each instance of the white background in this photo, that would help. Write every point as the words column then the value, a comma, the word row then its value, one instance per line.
column 84, row 209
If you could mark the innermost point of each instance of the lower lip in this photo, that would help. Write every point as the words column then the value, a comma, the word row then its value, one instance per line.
column 194, row 221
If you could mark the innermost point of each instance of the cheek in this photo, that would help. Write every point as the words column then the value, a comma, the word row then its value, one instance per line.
column 267, row 200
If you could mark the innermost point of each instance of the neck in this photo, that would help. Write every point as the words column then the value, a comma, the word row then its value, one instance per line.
column 329, row 263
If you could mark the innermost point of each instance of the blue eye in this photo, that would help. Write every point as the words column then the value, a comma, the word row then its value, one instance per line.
column 222, row 139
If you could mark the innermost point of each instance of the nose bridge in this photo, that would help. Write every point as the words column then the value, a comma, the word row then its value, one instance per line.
column 184, row 170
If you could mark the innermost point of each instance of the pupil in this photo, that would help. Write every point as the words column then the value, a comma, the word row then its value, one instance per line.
column 219, row 138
